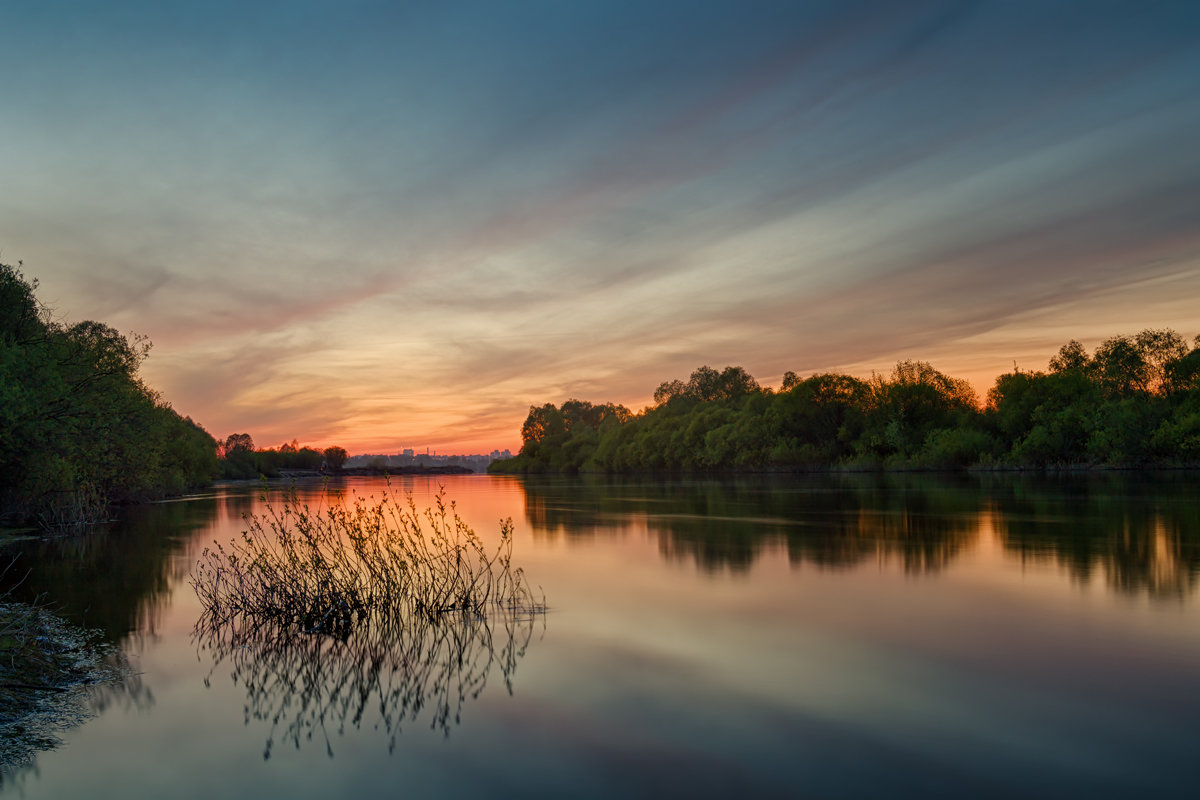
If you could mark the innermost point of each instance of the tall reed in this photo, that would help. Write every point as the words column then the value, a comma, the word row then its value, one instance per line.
column 325, row 614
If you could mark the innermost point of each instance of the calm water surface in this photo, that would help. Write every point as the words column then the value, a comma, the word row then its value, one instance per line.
column 798, row 637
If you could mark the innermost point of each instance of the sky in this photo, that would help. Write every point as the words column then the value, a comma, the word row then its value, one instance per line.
column 388, row 225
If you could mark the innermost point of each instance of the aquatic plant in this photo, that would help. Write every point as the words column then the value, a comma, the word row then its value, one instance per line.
column 324, row 570
column 327, row 615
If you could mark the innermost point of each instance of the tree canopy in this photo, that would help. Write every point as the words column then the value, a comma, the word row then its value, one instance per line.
column 78, row 427
column 1135, row 401
column 239, row 460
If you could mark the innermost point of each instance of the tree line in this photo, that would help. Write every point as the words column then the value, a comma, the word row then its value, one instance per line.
column 1134, row 401
column 79, row 429
column 239, row 459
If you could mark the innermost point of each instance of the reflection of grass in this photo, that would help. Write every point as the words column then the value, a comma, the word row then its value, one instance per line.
column 328, row 614
column 389, row 668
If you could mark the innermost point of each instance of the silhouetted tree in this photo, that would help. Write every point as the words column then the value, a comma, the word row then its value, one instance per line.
column 1071, row 355
column 335, row 457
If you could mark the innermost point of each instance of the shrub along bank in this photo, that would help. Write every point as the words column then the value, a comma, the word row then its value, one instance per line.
column 79, row 430
column 1134, row 402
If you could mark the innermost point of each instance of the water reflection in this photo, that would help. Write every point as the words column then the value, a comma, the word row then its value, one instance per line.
column 923, row 525
column 1141, row 532
column 116, row 578
column 354, row 611
column 847, row 681
column 830, row 521
column 388, row 670
column 35, row 716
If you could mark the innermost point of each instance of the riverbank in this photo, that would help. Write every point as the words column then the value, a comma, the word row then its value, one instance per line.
column 512, row 467
column 349, row 472
column 48, row 672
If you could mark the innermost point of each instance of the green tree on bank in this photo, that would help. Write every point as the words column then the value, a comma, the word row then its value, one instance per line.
column 78, row 427
column 239, row 460
column 1135, row 401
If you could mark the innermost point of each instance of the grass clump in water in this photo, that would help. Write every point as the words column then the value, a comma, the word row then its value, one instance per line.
column 374, row 609
column 326, row 571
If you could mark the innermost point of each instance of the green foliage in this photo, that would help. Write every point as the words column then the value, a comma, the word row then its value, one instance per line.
column 564, row 439
column 955, row 448
column 818, row 418
column 335, row 457
column 239, row 460
column 78, row 428
column 1047, row 420
column 1135, row 402
column 706, row 385
column 902, row 411
column 22, row 317
column 1178, row 438
column 237, row 457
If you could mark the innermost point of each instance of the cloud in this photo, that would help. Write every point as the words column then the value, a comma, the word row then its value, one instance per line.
column 411, row 223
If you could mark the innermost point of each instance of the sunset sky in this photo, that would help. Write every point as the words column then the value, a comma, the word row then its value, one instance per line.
column 387, row 225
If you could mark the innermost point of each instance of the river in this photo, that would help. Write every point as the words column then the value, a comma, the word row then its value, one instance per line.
column 801, row 636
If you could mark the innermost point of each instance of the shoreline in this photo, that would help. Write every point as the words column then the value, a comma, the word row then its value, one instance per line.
column 49, row 672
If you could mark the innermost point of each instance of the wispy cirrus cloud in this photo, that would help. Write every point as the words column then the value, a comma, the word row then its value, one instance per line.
column 384, row 224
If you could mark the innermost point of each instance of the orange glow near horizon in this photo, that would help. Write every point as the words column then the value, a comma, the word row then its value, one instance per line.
column 338, row 272
column 453, row 432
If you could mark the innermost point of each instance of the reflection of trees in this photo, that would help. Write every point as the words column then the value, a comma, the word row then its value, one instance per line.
column 397, row 668
column 828, row 520
column 576, row 508
column 922, row 521
column 1142, row 531
column 116, row 578
column 237, row 504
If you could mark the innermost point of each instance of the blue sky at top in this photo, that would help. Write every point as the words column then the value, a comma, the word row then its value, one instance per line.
column 399, row 224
